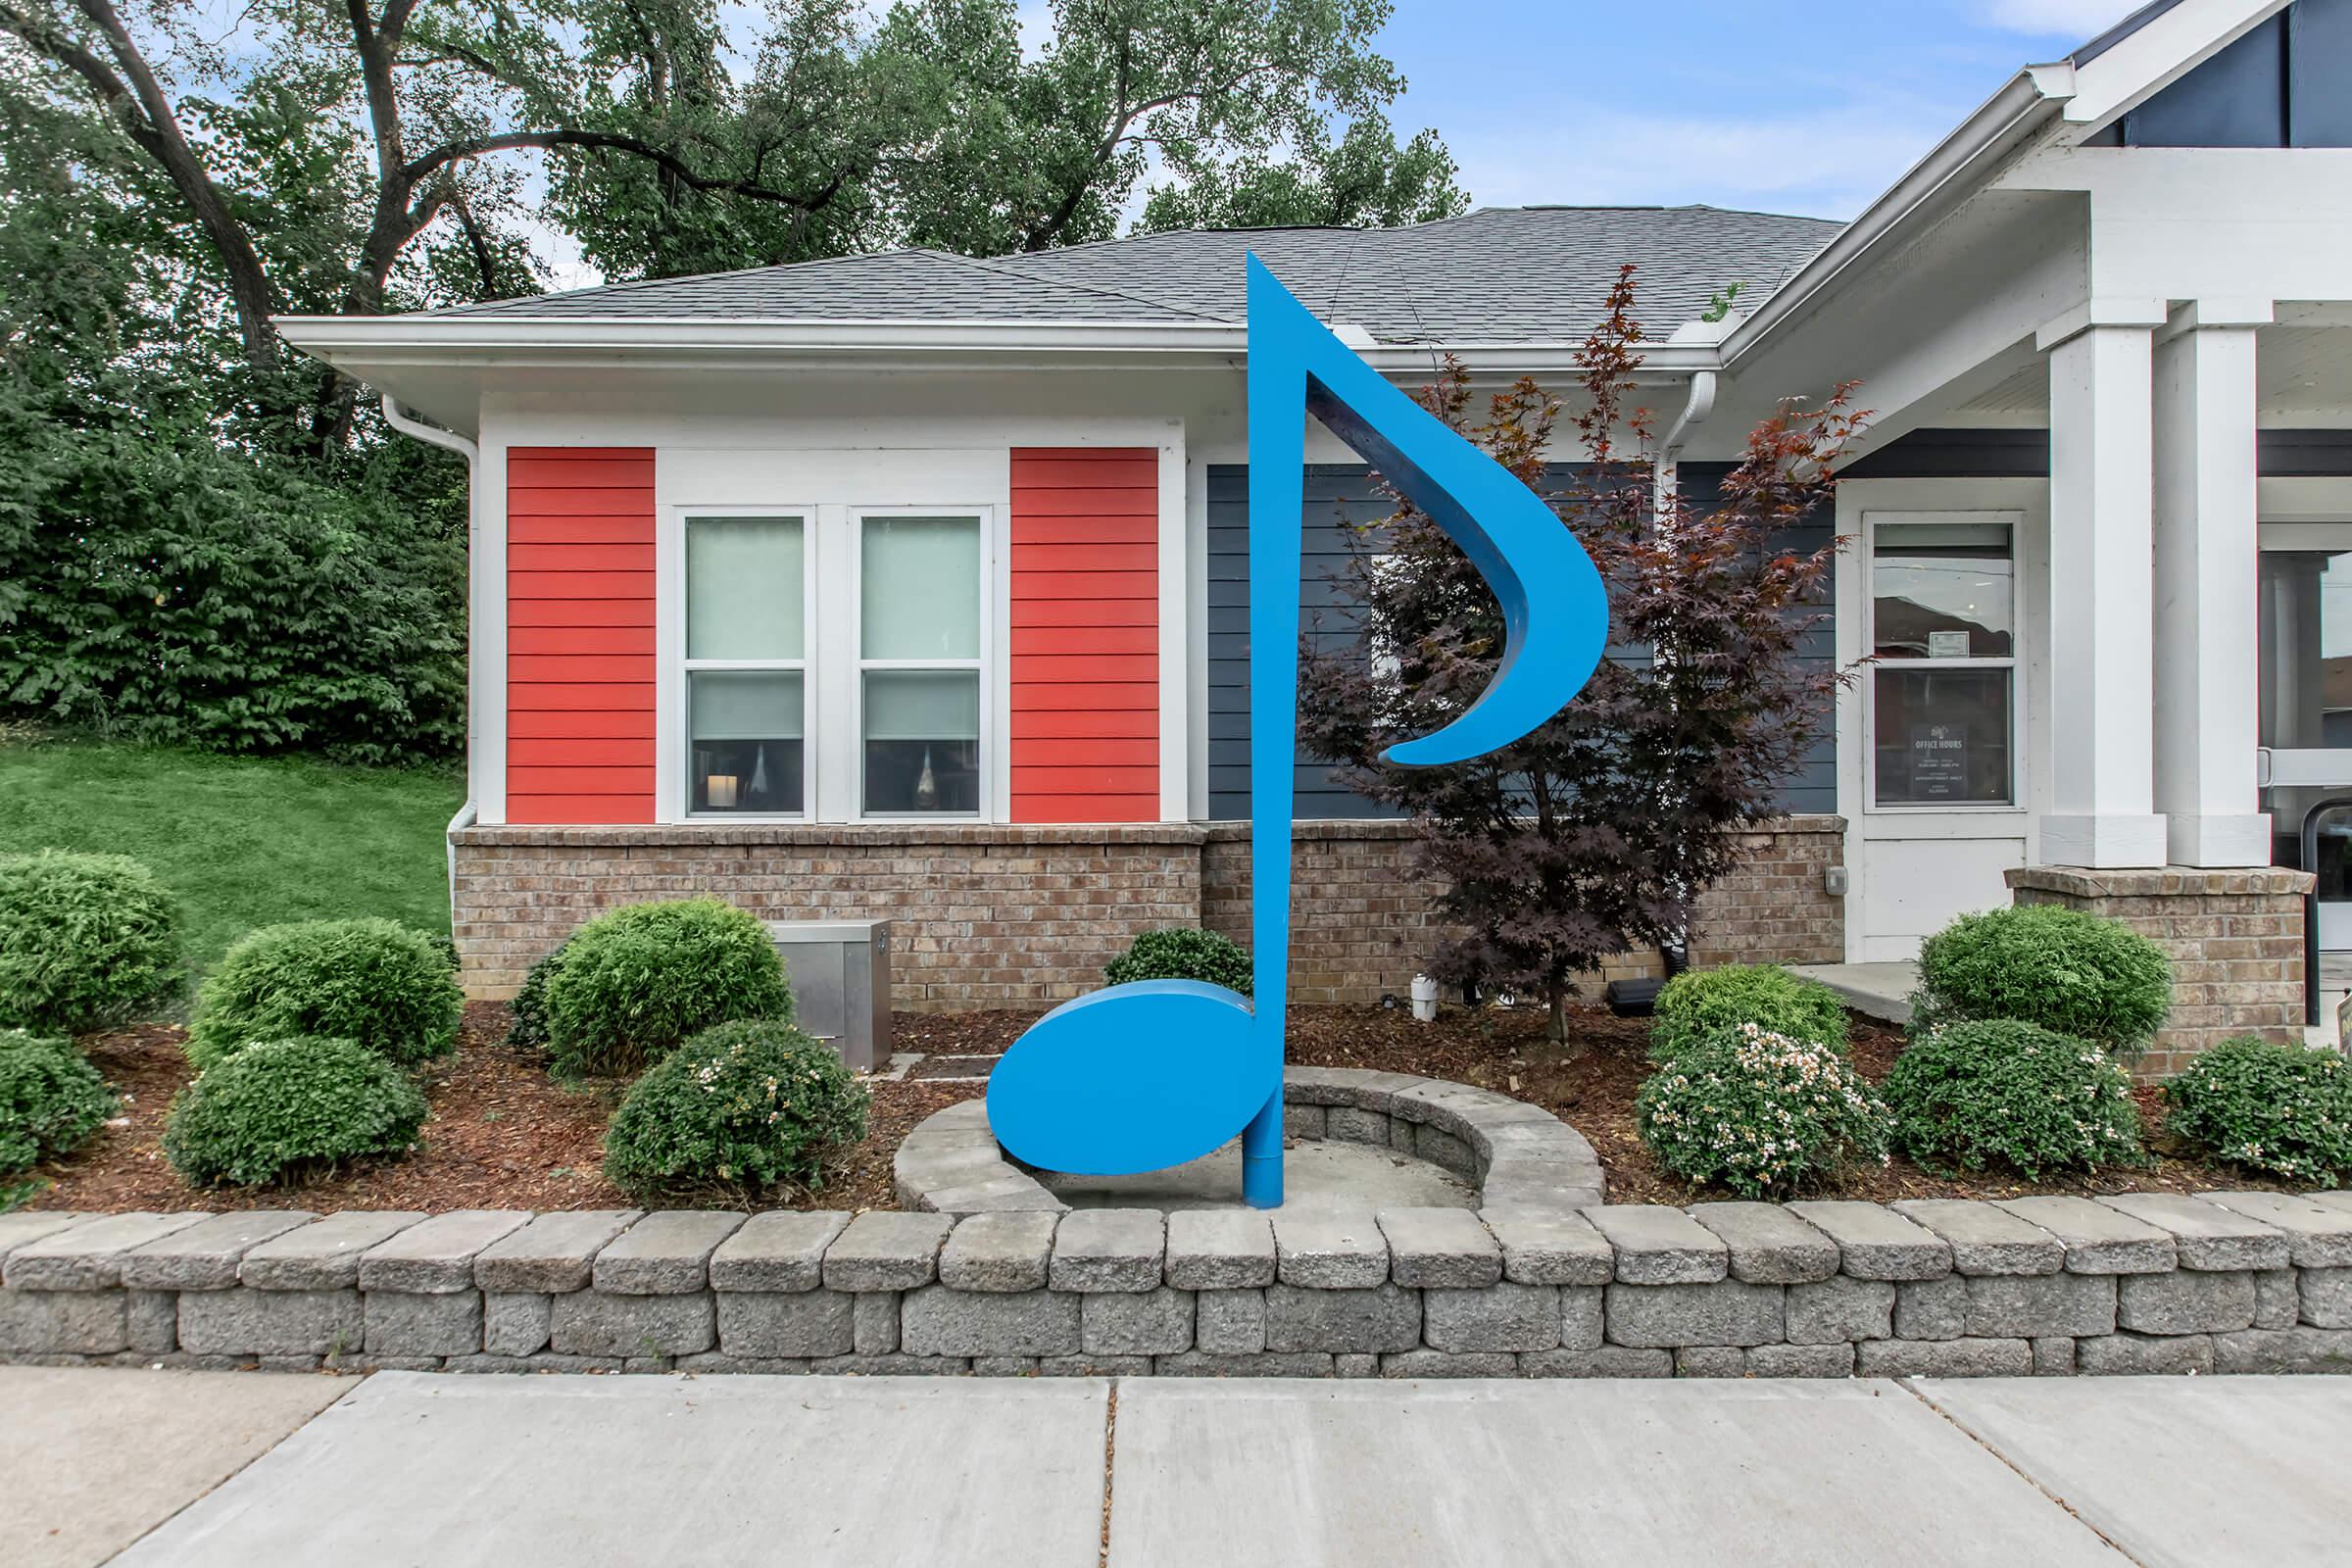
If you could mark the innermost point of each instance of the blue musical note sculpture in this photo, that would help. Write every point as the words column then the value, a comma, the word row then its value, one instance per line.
column 1142, row 1076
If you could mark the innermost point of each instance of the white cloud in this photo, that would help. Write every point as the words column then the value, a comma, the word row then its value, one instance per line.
column 1827, row 163
column 2081, row 20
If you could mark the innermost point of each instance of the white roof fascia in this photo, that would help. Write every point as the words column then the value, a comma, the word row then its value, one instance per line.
column 2031, row 98
column 2159, row 53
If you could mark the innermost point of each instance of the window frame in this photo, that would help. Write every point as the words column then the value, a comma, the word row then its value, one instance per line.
column 685, row 667
column 982, row 665
column 2011, row 664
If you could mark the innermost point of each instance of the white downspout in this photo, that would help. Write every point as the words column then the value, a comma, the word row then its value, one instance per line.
column 448, row 440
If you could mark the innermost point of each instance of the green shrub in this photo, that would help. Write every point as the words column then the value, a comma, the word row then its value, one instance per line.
column 85, row 940
column 2285, row 1110
column 375, row 982
column 742, row 1107
column 1183, row 953
column 636, row 981
column 1701, row 1004
column 2043, row 963
column 2000, row 1092
column 528, row 1029
column 51, row 1100
column 1759, row 1112
column 283, row 1110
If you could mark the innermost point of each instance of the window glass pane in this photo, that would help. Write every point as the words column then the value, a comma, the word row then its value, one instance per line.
column 1942, row 737
column 743, row 587
column 922, row 740
column 920, row 588
column 1941, row 591
column 746, row 751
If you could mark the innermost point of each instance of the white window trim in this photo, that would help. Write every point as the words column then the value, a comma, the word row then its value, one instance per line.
column 670, row 640
column 856, row 664
column 1873, row 522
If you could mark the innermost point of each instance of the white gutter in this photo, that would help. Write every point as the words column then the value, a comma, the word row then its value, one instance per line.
column 2033, row 97
column 450, row 440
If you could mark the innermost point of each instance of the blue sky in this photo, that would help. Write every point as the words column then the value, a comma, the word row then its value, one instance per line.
column 1808, row 108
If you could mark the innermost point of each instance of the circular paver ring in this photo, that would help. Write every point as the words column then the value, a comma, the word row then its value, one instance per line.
column 1519, row 1155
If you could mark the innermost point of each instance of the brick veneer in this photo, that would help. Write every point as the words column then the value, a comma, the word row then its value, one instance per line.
column 2235, row 939
column 1022, row 916
column 1777, row 907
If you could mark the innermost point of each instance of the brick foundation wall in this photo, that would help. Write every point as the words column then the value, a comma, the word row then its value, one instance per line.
column 2235, row 939
column 994, row 916
column 1777, row 907
column 986, row 915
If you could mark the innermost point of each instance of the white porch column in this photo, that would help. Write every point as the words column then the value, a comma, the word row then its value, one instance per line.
column 2102, row 679
column 2207, row 679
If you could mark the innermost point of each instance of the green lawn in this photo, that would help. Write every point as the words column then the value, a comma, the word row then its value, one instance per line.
column 245, row 842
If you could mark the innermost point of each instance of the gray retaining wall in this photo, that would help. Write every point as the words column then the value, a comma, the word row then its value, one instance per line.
column 2227, row 1282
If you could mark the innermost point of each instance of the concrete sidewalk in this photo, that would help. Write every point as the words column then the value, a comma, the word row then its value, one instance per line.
column 519, row 1471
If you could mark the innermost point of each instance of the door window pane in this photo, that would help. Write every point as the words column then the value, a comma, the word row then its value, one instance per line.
column 922, row 740
column 747, row 745
column 1942, row 737
column 1941, row 591
column 744, row 595
column 920, row 588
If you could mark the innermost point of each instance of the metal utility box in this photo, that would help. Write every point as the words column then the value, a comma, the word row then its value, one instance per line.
column 840, row 976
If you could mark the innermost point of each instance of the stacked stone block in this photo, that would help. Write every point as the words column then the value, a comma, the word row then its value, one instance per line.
column 2219, row 1283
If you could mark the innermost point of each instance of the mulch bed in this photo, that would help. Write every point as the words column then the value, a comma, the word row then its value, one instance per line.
column 505, row 1134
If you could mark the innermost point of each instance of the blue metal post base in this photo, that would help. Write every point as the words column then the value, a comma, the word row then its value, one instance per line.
column 1261, row 1156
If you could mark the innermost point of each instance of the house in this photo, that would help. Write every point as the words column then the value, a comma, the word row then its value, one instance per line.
column 911, row 585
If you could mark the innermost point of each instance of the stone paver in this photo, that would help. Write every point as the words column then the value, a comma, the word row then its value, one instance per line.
column 1439, row 1247
column 1216, row 1250
column 90, row 1257
column 1250, row 1476
column 2317, row 1235
column 1109, row 1250
column 204, row 1257
column 1556, row 1247
column 2100, row 1240
column 1341, row 1250
column 667, row 1253
column 782, row 1249
column 1985, row 1238
column 998, row 1252
column 96, row 1457
column 530, row 1471
column 436, row 1255
column 553, row 1252
column 325, row 1257
column 1660, row 1245
column 2207, row 1236
column 1876, row 1242
column 1769, row 1245
column 2225, row 1470
column 881, row 1251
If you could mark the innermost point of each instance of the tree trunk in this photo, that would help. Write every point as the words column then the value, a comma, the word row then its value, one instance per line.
column 1555, row 1028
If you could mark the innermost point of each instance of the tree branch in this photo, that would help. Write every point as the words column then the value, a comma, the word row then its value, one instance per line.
column 606, row 141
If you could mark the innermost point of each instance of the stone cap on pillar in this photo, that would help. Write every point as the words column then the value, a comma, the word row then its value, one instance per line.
column 2159, row 881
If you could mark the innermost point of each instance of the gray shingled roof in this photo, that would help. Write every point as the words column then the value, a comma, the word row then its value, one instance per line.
column 1511, row 274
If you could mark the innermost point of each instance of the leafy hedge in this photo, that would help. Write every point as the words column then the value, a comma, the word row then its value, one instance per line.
column 51, row 1100
column 2066, row 970
column 282, row 1109
column 1998, row 1092
column 527, row 1029
column 85, row 940
column 1701, row 1004
column 1183, row 953
column 2285, row 1110
column 637, row 980
column 374, row 982
column 159, row 584
column 743, row 1107
column 1760, row 1114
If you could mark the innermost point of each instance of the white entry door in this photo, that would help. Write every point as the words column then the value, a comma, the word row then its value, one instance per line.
column 1933, row 736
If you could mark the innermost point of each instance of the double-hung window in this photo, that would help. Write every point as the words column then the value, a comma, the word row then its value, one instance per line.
column 919, row 602
column 1943, row 617
column 747, row 672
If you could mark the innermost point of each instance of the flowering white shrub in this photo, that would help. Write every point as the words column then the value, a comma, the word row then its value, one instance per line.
column 1759, row 1112
column 2282, row 1110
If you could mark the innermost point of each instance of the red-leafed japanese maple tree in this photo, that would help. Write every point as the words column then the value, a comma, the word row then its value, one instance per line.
column 1591, row 837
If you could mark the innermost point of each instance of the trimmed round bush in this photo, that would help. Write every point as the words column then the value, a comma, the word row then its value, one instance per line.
column 636, row 981
column 1759, row 1112
column 85, row 941
column 51, row 1100
column 374, row 982
column 279, row 1111
column 1700, row 1004
column 2070, row 972
column 1997, row 1092
column 528, row 1010
column 742, row 1107
column 1183, row 953
column 2285, row 1110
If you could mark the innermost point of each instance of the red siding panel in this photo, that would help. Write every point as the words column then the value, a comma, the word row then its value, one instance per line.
column 580, row 674
column 1085, row 634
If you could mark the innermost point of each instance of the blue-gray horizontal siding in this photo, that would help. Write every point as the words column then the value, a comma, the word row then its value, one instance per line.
column 2025, row 454
column 1340, row 498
